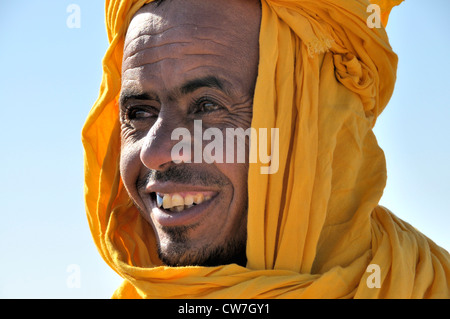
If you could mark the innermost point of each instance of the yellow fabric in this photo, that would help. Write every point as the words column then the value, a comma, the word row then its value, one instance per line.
column 315, row 226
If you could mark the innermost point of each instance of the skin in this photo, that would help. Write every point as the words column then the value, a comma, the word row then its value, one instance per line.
column 187, row 60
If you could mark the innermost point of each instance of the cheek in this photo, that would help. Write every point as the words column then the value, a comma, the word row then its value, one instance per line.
column 235, row 167
column 237, row 174
column 237, row 203
column 130, row 167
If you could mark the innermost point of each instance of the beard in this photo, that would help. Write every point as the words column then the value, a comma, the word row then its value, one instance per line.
column 175, row 250
column 174, row 246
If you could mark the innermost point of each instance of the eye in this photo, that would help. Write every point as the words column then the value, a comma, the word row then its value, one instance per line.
column 140, row 113
column 206, row 105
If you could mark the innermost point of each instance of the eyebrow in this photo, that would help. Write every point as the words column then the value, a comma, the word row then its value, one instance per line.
column 188, row 87
column 209, row 82
column 125, row 96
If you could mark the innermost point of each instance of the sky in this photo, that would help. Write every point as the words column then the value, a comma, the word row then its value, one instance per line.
column 50, row 79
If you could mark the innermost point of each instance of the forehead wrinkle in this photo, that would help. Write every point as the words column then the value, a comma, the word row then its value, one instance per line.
column 142, row 65
column 146, row 44
column 191, row 51
column 139, row 52
column 145, row 60
column 145, row 31
column 141, row 55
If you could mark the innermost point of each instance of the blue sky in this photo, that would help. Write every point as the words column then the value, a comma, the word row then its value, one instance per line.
column 50, row 79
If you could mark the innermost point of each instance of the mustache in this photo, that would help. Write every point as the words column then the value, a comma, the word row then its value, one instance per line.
column 181, row 174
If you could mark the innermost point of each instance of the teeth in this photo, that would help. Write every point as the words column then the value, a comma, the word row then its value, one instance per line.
column 176, row 202
column 189, row 200
column 198, row 198
column 177, row 208
column 159, row 200
column 167, row 201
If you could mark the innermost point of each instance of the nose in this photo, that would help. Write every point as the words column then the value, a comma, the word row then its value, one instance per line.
column 157, row 149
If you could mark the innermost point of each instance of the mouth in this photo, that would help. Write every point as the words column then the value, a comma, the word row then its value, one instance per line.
column 178, row 202
column 181, row 208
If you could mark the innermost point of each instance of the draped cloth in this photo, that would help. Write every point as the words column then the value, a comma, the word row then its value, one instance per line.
column 315, row 227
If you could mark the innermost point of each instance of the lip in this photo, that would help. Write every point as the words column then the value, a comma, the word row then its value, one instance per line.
column 187, row 217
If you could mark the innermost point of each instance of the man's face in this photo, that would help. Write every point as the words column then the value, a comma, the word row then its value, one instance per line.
column 187, row 61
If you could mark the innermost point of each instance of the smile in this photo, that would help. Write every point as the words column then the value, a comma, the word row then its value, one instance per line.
column 177, row 202
column 182, row 207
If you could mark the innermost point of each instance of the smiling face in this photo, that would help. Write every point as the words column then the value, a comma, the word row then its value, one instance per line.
column 186, row 61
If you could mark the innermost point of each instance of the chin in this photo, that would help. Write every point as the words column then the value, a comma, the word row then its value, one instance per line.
column 175, row 249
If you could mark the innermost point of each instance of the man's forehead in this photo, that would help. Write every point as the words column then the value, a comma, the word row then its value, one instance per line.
column 145, row 21
column 166, row 46
column 154, row 20
column 233, row 16
column 151, row 30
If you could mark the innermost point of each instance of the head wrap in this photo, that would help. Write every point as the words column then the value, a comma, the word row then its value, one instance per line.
column 315, row 228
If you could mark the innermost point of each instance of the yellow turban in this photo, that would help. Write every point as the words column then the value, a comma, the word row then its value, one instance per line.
column 315, row 229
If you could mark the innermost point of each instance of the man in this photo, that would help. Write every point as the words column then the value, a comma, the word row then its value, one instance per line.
column 173, row 74
column 178, row 225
